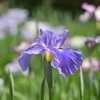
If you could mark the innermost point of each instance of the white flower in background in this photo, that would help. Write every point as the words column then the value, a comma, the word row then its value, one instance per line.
column 77, row 41
column 1, row 85
column 15, row 68
column 86, row 65
column 97, row 40
column 97, row 14
column 30, row 29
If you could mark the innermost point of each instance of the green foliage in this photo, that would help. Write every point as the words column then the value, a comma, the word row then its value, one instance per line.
column 29, row 87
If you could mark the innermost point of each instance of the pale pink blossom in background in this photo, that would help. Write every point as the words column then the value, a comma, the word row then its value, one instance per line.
column 83, row 18
column 88, row 7
column 90, row 11
column 20, row 48
column 86, row 65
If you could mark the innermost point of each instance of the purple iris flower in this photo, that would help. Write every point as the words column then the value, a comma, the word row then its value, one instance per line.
column 65, row 60
column 90, row 43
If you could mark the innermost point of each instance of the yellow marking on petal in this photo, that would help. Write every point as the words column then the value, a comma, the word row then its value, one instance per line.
column 59, row 49
column 48, row 56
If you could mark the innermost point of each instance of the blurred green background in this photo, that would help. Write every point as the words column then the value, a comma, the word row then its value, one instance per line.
column 56, row 12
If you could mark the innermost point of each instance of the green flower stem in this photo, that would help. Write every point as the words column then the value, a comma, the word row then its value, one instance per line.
column 48, row 73
column 90, row 77
column 48, row 76
column 68, row 88
column 50, row 94
column 30, row 82
column 42, row 89
column 11, row 86
column 96, row 86
column 81, row 84
column 98, row 54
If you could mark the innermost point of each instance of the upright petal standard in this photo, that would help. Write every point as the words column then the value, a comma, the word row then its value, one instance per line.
column 65, row 60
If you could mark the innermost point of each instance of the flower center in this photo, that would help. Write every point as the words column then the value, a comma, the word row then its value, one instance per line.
column 48, row 56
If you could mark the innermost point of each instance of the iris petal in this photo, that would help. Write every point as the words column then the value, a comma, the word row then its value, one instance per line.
column 45, row 38
column 61, row 39
column 67, row 61
column 34, row 49
column 24, row 59
column 49, row 36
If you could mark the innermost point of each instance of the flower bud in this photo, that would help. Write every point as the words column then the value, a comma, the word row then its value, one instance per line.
column 90, row 43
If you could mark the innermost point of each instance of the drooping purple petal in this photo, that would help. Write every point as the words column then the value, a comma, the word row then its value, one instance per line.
column 24, row 59
column 34, row 49
column 67, row 61
column 61, row 39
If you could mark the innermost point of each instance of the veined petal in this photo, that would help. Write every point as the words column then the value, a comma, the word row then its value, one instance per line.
column 34, row 49
column 67, row 61
column 41, row 41
column 49, row 36
column 61, row 39
column 42, row 38
column 45, row 38
column 24, row 59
